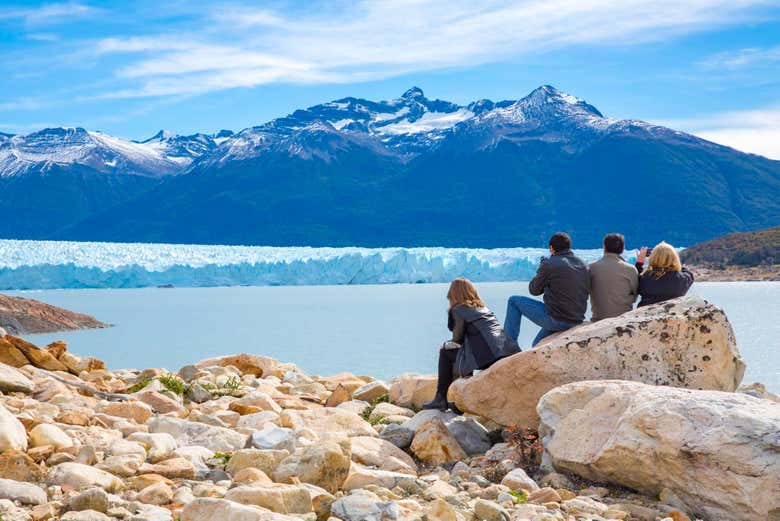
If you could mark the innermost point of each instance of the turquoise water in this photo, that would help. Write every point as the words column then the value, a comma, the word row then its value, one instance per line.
column 378, row 330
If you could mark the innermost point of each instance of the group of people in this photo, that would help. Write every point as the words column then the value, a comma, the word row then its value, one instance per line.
column 566, row 283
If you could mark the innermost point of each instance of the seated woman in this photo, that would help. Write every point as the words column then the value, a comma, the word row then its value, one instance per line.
column 477, row 339
column 665, row 278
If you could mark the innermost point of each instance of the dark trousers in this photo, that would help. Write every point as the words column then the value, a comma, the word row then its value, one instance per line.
column 447, row 359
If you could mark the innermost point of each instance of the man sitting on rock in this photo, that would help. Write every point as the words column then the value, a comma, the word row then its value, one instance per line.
column 565, row 283
column 614, row 283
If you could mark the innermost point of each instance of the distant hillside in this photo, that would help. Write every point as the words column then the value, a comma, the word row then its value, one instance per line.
column 757, row 248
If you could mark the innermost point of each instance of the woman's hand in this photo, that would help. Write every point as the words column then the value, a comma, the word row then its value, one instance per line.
column 641, row 255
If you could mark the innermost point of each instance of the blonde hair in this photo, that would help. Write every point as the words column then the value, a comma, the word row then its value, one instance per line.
column 463, row 293
column 664, row 259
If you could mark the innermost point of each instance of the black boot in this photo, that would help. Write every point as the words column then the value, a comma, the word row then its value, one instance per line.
column 454, row 408
column 439, row 402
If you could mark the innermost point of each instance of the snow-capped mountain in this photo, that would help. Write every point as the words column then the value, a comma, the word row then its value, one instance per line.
column 407, row 171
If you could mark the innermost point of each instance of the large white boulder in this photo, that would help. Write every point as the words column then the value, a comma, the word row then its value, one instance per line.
column 80, row 476
column 12, row 380
column 718, row 452
column 186, row 433
column 12, row 432
column 209, row 509
column 686, row 342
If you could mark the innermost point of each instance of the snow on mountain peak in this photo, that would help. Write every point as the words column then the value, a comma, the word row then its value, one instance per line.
column 413, row 93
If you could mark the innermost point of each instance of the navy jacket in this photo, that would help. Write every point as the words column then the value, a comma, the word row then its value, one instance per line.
column 654, row 289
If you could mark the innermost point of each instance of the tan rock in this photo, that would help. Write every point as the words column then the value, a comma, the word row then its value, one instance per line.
column 361, row 477
column 412, row 390
column 284, row 499
column 156, row 494
column 339, row 395
column 139, row 483
column 327, row 421
column 348, row 381
column 715, row 451
column 376, row 452
column 265, row 460
column 209, row 509
column 517, row 479
column 440, row 510
column 544, row 495
column 73, row 418
column 49, row 434
column 137, row 411
column 161, row 403
column 324, row 464
column 79, row 364
column 18, row 466
column 171, row 468
column 124, row 466
column 685, row 342
column 10, row 355
column 371, row 391
column 251, row 475
column 434, row 445
column 37, row 356
column 260, row 366
column 79, row 476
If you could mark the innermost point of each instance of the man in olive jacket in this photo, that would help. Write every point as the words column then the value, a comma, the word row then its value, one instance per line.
column 614, row 283
column 564, row 281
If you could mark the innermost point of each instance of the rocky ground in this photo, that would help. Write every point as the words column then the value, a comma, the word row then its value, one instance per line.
column 21, row 316
column 249, row 438
column 705, row 273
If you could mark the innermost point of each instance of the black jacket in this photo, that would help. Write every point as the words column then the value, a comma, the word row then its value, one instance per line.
column 565, row 283
column 654, row 289
column 481, row 336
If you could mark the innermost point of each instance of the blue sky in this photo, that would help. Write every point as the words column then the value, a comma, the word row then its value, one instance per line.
column 711, row 67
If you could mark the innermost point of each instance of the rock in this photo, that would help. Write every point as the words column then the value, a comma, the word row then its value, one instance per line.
column 324, row 464
column 160, row 403
column 49, row 434
column 137, row 411
column 361, row 477
column 171, row 468
column 10, row 355
column 156, row 494
column 364, row 506
column 371, row 391
column 338, row 396
column 358, row 407
column 185, row 432
column 686, row 342
column 26, row 316
column 260, row 400
column 92, row 499
column 284, row 499
column 517, row 479
column 412, row 390
column 12, row 433
column 208, row 509
column 38, row 357
column 327, row 421
column 759, row 391
column 385, row 410
column 544, row 495
column 715, row 451
column 80, row 476
column 159, row 446
column 257, row 420
column 434, row 445
column 490, row 511
column 25, row 493
column 399, row 436
column 12, row 380
column 265, row 460
column 273, row 437
column 471, row 435
column 440, row 510
column 376, row 452
column 255, row 365
column 85, row 515
column 2, row 332
column 18, row 466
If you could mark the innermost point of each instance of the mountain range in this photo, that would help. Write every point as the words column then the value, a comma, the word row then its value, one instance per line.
column 409, row 172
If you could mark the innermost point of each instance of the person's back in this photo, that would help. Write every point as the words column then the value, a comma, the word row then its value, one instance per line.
column 665, row 278
column 564, row 281
column 613, row 282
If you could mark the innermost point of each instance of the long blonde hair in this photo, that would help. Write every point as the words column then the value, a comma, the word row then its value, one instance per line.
column 664, row 259
column 463, row 293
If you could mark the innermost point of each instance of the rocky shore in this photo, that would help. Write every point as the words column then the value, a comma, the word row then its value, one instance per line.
column 20, row 316
column 248, row 438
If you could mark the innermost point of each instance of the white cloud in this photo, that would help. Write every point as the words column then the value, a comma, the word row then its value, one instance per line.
column 47, row 14
column 741, row 58
column 756, row 131
column 240, row 46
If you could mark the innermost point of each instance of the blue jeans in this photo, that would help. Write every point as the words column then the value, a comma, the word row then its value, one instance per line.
column 534, row 310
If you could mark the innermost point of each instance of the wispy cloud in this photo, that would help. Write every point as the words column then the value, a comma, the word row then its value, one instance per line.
column 742, row 58
column 371, row 39
column 47, row 14
column 756, row 131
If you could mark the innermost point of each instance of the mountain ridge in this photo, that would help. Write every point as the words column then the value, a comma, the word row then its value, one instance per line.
column 360, row 172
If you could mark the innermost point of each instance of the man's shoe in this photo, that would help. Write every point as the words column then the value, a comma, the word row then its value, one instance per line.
column 439, row 402
column 454, row 408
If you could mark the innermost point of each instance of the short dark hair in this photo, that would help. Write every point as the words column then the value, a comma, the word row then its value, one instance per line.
column 614, row 243
column 560, row 242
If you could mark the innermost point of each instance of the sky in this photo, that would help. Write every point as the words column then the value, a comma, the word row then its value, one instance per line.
column 131, row 68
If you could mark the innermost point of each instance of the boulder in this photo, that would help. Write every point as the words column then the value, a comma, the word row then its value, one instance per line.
column 370, row 391
column 12, row 380
column 10, row 355
column 38, row 357
column 361, row 477
column 137, row 411
column 517, row 479
column 156, row 494
column 25, row 493
column 718, row 452
column 365, row 506
column 338, row 396
column 18, row 466
column 686, row 342
column 78, row 476
column 399, row 436
column 376, row 452
column 472, row 436
column 185, row 432
column 284, row 499
column 91, row 499
column 12, row 433
column 433, row 444
column 208, row 509
column 159, row 446
column 324, row 464
column 255, row 365
column 48, row 434
column 327, row 421
column 412, row 390
column 273, row 437
column 265, row 460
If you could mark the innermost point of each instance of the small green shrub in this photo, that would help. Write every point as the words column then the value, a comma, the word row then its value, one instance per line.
column 521, row 497
column 140, row 385
column 224, row 456
column 173, row 383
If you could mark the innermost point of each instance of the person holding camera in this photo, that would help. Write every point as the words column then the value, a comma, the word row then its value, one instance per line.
column 614, row 283
column 564, row 281
column 477, row 340
column 665, row 277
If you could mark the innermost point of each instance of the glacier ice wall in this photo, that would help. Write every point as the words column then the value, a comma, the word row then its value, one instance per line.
column 51, row 264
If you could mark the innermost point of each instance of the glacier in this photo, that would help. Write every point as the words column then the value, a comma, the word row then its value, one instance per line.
column 26, row 265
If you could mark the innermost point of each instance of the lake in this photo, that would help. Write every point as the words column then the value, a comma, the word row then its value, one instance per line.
column 377, row 330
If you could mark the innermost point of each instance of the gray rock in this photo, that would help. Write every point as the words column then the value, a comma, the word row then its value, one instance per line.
column 489, row 511
column 91, row 499
column 471, row 435
column 399, row 436
column 275, row 438
column 25, row 493
column 198, row 394
column 188, row 372
column 364, row 506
